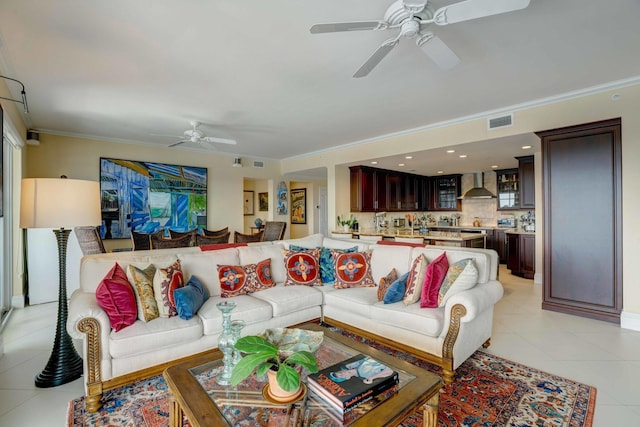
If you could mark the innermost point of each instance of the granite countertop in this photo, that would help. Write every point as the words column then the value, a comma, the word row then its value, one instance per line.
column 406, row 232
column 519, row 231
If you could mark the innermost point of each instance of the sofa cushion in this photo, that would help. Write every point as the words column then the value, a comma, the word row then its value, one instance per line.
column 313, row 241
column 461, row 276
column 115, row 296
column 189, row 298
column 436, row 271
column 395, row 293
column 251, row 310
column 255, row 254
column 285, row 300
column 152, row 336
column 416, row 280
column 410, row 317
column 385, row 282
column 303, row 267
column 357, row 301
column 204, row 265
column 353, row 269
column 327, row 263
column 384, row 258
column 165, row 281
column 142, row 281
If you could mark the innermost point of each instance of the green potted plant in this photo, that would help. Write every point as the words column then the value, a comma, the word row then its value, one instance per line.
column 280, row 353
column 346, row 223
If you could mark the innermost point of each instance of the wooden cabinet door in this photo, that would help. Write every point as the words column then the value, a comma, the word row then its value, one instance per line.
column 527, row 255
column 382, row 192
column 583, row 220
column 362, row 189
column 394, row 188
column 513, row 253
column 527, row 177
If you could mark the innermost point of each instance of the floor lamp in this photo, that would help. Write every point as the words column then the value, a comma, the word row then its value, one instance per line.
column 62, row 204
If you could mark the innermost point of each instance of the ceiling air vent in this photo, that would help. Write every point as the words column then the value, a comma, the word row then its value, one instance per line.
column 500, row 122
column 258, row 164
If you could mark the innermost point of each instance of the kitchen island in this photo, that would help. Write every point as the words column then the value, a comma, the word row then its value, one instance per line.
column 439, row 238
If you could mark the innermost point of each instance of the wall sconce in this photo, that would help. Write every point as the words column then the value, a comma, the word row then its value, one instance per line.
column 33, row 137
column 22, row 93
column 237, row 162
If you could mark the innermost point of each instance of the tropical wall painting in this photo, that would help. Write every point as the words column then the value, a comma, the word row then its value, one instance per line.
column 147, row 197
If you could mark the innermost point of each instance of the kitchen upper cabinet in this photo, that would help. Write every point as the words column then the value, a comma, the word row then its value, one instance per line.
column 508, row 189
column 582, row 168
column 363, row 189
column 409, row 201
column 424, row 192
column 445, row 191
column 527, row 177
column 394, row 190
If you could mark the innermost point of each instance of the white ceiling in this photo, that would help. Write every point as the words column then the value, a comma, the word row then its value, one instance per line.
column 250, row 70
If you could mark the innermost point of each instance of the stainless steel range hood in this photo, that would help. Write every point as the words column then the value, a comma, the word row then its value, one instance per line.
column 478, row 191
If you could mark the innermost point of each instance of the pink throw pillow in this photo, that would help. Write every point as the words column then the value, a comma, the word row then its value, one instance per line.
column 436, row 272
column 115, row 296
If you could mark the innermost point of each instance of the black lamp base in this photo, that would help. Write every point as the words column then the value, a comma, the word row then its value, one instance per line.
column 65, row 365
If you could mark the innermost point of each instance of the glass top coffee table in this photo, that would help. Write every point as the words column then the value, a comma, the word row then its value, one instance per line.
column 196, row 394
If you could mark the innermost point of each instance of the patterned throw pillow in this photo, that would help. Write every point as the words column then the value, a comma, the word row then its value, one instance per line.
column 416, row 280
column 436, row 272
column 243, row 279
column 461, row 276
column 385, row 282
column 303, row 267
column 353, row 269
column 115, row 295
column 395, row 293
column 327, row 263
column 165, row 281
column 190, row 298
column 142, row 281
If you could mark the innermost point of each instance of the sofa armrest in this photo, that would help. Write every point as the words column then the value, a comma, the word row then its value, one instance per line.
column 83, row 305
column 477, row 299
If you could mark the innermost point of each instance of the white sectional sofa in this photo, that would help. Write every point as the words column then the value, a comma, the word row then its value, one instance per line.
column 446, row 336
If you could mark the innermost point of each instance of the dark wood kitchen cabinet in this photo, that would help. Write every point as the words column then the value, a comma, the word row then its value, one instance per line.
column 375, row 190
column 581, row 167
column 521, row 254
column 508, row 186
column 527, row 178
column 368, row 189
column 445, row 191
column 499, row 244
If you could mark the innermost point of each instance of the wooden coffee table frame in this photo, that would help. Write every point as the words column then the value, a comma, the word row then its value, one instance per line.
column 187, row 397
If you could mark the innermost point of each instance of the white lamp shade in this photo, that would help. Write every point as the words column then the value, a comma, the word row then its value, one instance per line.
column 59, row 203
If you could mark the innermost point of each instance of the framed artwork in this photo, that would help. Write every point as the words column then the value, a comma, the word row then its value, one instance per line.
column 263, row 202
column 299, row 206
column 281, row 208
column 147, row 197
column 248, row 203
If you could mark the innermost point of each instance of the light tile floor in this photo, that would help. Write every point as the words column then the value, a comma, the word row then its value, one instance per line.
column 596, row 353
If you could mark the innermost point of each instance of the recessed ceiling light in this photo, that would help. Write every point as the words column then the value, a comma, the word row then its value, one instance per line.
column 374, row 163
column 451, row 151
column 462, row 156
column 408, row 157
column 526, row 147
column 400, row 164
column 440, row 172
column 494, row 166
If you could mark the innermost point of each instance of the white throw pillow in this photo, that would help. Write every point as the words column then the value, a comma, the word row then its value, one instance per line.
column 462, row 275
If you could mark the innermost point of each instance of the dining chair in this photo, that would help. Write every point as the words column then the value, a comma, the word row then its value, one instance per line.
column 207, row 240
column 89, row 240
column 274, row 230
column 159, row 243
column 247, row 238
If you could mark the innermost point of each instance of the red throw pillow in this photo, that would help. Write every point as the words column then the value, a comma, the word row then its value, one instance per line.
column 115, row 296
column 353, row 269
column 436, row 272
column 303, row 267
column 243, row 279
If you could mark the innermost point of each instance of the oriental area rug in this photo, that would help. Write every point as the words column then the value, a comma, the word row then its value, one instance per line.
column 488, row 391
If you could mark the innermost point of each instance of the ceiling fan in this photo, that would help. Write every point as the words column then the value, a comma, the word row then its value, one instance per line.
column 195, row 135
column 412, row 18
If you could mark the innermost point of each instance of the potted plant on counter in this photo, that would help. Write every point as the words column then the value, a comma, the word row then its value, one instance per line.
column 346, row 223
column 281, row 353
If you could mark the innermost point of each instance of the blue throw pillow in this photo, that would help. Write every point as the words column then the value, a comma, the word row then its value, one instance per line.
column 190, row 298
column 327, row 264
column 395, row 293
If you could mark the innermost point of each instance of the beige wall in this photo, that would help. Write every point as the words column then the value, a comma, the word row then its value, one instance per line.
column 79, row 158
column 549, row 115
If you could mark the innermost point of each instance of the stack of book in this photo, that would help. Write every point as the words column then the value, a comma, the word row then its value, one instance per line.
column 348, row 384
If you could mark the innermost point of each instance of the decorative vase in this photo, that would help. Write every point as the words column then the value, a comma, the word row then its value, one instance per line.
column 346, row 227
column 236, row 327
column 275, row 392
column 226, row 342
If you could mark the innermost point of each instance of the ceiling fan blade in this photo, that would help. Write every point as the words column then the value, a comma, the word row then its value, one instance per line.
column 178, row 143
column 218, row 140
column 348, row 26
column 438, row 51
column 377, row 56
column 473, row 9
